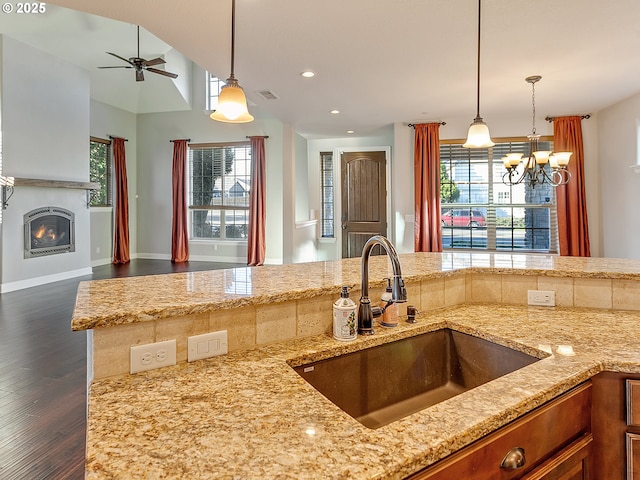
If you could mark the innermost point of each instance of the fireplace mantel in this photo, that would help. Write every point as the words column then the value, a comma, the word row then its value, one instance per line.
column 39, row 182
column 8, row 184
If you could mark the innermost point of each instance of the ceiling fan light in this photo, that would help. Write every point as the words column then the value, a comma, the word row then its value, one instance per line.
column 478, row 136
column 232, row 104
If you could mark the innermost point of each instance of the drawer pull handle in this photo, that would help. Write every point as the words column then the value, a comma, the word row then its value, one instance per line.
column 513, row 459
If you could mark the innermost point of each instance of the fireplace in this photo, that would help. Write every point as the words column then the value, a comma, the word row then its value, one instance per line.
column 48, row 231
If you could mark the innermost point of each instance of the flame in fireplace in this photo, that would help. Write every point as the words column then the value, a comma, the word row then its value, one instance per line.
column 45, row 232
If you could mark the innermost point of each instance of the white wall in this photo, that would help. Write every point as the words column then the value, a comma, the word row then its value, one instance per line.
column 302, row 179
column 45, row 131
column 618, row 128
column 105, row 121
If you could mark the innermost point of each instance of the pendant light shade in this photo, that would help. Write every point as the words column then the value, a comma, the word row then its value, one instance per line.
column 232, row 103
column 478, row 136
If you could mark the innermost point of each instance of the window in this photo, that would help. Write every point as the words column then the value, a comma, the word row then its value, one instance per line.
column 219, row 185
column 326, row 185
column 480, row 212
column 100, row 171
column 214, row 85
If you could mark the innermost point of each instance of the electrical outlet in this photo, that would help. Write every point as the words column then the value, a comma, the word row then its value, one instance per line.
column 152, row 355
column 543, row 298
column 207, row 345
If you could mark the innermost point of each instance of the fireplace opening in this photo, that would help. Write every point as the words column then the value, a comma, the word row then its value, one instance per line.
column 48, row 231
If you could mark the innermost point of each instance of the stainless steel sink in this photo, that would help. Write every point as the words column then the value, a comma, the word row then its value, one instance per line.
column 380, row 385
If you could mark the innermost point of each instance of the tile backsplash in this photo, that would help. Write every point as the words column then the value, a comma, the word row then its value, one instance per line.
column 254, row 325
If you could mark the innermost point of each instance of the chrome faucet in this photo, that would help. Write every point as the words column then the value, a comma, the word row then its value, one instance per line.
column 398, row 291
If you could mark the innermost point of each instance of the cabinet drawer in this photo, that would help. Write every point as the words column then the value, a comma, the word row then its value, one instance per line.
column 633, row 402
column 541, row 434
column 574, row 462
column 633, row 456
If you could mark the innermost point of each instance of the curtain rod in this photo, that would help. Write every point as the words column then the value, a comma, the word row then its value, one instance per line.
column 186, row 139
column 413, row 125
column 113, row 138
column 263, row 136
column 586, row 116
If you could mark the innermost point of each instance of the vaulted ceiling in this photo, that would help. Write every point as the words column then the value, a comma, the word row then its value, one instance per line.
column 377, row 61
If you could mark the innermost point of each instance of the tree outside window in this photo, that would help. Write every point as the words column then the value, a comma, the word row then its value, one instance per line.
column 100, row 171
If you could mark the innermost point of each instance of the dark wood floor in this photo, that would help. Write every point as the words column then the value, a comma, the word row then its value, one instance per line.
column 43, row 374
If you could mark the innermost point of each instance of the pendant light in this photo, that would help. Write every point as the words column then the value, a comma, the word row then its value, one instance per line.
column 232, row 103
column 478, row 136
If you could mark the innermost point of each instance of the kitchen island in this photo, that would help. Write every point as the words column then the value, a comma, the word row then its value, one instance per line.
column 249, row 415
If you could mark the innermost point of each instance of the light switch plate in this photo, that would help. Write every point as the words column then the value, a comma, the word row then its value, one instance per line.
column 207, row 345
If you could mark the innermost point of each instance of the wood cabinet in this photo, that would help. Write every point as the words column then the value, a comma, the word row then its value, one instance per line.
column 616, row 426
column 556, row 439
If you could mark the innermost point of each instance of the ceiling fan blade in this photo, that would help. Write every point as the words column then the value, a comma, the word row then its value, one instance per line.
column 121, row 58
column 119, row 66
column 162, row 72
column 139, row 76
column 154, row 61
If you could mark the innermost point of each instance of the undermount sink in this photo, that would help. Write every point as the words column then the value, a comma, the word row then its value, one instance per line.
column 382, row 384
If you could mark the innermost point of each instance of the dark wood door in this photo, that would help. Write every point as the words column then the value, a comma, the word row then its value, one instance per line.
column 364, row 199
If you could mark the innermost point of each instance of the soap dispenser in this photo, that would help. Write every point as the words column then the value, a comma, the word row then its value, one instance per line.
column 345, row 323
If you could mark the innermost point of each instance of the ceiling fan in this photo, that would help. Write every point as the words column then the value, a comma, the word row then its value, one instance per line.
column 140, row 64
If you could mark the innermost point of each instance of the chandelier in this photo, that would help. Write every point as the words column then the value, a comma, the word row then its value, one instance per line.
column 535, row 170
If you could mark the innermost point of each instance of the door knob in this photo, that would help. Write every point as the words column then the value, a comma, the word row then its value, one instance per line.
column 513, row 459
column 344, row 226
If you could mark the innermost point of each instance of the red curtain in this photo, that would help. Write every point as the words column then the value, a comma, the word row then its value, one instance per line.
column 179, row 232
column 573, row 225
column 426, row 162
column 257, row 203
column 121, row 234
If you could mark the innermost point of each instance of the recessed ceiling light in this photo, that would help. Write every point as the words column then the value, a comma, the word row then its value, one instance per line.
column 351, row 131
column 308, row 74
column 335, row 112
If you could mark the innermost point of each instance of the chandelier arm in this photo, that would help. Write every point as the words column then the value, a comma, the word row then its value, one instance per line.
column 545, row 175
column 562, row 175
column 511, row 173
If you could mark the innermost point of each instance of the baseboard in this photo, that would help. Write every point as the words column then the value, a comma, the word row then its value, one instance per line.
column 217, row 258
column 101, row 262
column 34, row 282
column 106, row 261
column 195, row 258
column 154, row 256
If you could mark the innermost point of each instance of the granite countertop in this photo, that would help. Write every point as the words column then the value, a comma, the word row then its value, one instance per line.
column 249, row 415
column 137, row 299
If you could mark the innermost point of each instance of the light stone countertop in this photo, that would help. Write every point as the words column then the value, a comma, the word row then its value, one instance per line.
column 248, row 415
column 119, row 301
